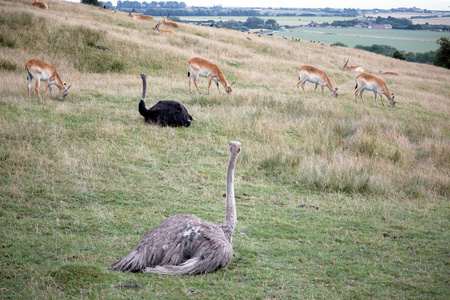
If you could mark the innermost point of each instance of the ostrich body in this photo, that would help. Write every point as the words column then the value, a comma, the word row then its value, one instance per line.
column 186, row 244
column 165, row 112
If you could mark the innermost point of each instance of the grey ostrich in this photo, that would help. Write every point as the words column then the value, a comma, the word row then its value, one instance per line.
column 165, row 112
column 186, row 244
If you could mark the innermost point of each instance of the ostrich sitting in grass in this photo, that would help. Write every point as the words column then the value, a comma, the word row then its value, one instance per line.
column 186, row 244
column 165, row 112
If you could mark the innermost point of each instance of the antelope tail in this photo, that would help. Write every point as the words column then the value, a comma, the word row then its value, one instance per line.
column 29, row 76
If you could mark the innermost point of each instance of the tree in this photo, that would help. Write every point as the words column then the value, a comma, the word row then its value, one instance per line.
column 271, row 23
column 91, row 2
column 442, row 58
column 399, row 55
column 254, row 22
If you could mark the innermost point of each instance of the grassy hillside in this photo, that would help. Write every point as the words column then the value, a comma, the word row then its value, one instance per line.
column 335, row 199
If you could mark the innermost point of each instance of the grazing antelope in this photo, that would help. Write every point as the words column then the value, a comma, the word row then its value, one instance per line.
column 135, row 15
column 387, row 73
column 369, row 82
column 353, row 68
column 201, row 67
column 41, row 71
column 156, row 28
column 169, row 23
column 39, row 4
column 316, row 76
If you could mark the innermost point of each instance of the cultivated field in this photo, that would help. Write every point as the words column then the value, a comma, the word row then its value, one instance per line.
column 335, row 199
column 406, row 40
column 433, row 21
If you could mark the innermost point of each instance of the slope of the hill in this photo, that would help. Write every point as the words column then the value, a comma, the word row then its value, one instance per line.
column 336, row 199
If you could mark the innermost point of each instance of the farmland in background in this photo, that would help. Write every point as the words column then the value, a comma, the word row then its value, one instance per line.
column 283, row 21
column 407, row 40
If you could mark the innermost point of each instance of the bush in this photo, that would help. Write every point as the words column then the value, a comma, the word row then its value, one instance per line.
column 379, row 49
column 6, row 65
column 339, row 44
column 399, row 55
column 442, row 58
column 91, row 2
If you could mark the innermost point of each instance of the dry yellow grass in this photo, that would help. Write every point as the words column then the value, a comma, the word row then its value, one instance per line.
column 265, row 72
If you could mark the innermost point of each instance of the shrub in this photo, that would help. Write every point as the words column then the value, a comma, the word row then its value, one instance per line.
column 399, row 55
column 91, row 2
column 6, row 65
column 442, row 58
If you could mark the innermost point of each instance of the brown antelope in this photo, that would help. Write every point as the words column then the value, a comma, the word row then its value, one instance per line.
column 387, row 73
column 169, row 23
column 39, row 4
column 353, row 68
column 162, row 30
column 41, row 71
column 201, row 67
column 135, row 15
column 369, row 82
column 316, row 76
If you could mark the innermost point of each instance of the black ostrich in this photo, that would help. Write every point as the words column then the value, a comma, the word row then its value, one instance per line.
column 165, row 112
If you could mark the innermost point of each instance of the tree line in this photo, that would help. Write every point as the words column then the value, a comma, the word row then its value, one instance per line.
column 440, row 57
column 397, row 23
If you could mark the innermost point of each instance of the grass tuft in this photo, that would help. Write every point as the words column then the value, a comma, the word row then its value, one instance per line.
column 73, row 277
column 7, row 66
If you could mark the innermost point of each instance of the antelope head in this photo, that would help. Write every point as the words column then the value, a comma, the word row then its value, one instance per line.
column 345, row 64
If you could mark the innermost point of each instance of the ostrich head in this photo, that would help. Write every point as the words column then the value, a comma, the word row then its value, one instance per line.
column 235, row 147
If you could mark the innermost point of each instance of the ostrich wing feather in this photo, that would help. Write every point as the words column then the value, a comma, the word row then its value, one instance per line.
column 181, row 244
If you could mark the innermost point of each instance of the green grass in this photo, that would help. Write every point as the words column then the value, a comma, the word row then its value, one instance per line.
column 335, row 199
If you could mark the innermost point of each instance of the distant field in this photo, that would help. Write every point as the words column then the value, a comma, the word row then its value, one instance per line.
column 296, row 21
column 432, row 21
column 283, row 21
column 407, row 40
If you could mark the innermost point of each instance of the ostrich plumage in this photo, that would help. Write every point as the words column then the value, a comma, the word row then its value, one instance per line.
column 186, row 244
column 165, row 112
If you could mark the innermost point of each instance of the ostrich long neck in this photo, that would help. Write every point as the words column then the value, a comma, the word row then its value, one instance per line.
column 144, row 89
column 231, row 218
